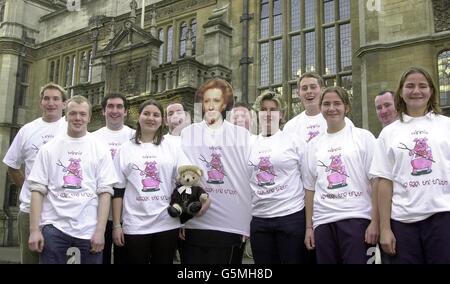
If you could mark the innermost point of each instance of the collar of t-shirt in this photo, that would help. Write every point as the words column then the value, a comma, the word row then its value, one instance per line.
column 407, row 118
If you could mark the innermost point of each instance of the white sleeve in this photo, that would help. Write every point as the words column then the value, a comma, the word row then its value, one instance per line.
column 288, row 127
column 369, row 145
column 300, row 150
column 106, row 174
column 382, row 162
column 39, row 173
column 182, row 158
column 37, row 187
column 14, row 158
column 118, row 161
column 310, row 177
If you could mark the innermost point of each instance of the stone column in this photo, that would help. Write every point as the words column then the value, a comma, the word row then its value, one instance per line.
column 217, row 38
column 8, row 71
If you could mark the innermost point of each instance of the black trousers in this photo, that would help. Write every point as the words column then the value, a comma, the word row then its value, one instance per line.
column 211, row 247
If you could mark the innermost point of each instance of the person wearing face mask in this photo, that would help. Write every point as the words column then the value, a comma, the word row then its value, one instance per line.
column 241, row 114
column 221, row 149
column 276, row 166
column 341, row 208
column 176, row 120
column 412, row 163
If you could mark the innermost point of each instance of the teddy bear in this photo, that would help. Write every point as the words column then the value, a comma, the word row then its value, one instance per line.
column 188, row 197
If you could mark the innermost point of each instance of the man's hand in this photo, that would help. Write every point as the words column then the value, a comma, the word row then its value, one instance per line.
column 36, row 241
column 97, row 242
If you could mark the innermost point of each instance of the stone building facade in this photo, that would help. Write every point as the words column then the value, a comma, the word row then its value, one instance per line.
column 93, row 47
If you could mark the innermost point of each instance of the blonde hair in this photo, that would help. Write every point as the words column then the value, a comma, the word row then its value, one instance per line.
column 79, row 100
column 271, row 96
column 53, row 86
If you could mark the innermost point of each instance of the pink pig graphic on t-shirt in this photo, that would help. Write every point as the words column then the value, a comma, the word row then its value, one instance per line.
column 73, row 176
column 215, row 168
column 150, row 181
column 337, row 176
column 421, row 156
column 266, row 174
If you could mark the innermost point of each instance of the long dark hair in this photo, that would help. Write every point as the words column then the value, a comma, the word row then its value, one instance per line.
column 159, row 133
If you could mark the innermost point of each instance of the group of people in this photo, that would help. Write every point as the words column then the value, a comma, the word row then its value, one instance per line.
column 315, row 190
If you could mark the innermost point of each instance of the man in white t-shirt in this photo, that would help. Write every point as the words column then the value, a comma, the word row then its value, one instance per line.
column 24, row 149
column 385, row 107
column 386, row 113
column 71, row 188
column 310, row 123
column 114, row 134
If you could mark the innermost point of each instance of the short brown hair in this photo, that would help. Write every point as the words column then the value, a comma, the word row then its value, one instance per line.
column 53, row 86
column 311, row 75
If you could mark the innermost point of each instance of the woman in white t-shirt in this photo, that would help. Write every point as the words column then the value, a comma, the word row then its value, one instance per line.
column 412, row 161
column 146, row 168
column 341, row 214
column 221, row 149
column 276, row 164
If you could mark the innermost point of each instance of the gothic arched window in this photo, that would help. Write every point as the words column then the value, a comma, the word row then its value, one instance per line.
column 193, row 35
column 169, row 44
column 444, row 77
column 183, row 38
column 161, row 48
column 296, row 36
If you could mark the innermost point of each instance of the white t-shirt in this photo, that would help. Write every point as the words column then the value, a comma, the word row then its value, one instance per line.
column 175, row 140
column 338, row 172
column 147, row 172
column 114, row 138
column 307, row 127
column 25, row 147
column 415, row 156
column 276, row 164
column 223, row 155
column 75, row 171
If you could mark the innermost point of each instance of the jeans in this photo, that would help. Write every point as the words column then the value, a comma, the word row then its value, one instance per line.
column 57, row 244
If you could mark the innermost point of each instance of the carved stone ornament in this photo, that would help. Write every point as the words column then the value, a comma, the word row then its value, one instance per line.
column 129, row 78
column 441, row 10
